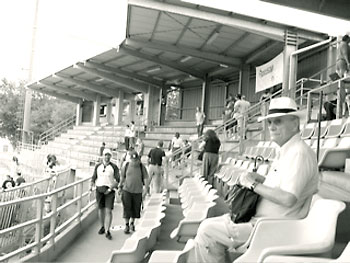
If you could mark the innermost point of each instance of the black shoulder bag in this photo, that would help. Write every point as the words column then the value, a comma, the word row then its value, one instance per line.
column 242, row 200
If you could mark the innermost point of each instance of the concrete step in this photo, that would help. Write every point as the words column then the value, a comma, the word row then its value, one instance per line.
column 73, row 136
column 109, row 139
column 164, row 136
column 64, row 140
column 173, row 129
column 87, row 128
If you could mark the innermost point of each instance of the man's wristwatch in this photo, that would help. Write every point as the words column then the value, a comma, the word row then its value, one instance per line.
column 252, row 187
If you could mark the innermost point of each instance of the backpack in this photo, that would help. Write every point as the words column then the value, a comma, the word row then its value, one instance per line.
column 126, row 168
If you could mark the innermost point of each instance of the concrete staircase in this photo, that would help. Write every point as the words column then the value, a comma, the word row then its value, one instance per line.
column 82, row 143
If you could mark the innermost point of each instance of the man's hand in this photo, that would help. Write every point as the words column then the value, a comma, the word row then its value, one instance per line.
column 109, row 190
column 247, row 179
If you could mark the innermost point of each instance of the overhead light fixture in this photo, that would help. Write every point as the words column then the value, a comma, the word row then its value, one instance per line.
column 213, row 37
column 223, row 66
column 184, row 59
column 153, row 69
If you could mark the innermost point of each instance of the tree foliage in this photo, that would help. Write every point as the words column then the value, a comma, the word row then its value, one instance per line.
column 10, row 94
column 46, row 111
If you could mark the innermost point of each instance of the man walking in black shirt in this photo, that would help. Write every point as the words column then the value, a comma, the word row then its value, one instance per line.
column 155, row 158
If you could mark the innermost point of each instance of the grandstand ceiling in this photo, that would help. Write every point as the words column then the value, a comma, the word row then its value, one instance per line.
column 170, row 43
column 336, row 8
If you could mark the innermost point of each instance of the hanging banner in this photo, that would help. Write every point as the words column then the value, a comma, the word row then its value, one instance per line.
column 269, row 74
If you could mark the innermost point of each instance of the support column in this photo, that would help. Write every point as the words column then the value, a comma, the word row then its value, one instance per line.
column 290, row 64
column 132, row 110
column 79, row 114
column 205, row 98
column 331, row 60
column 162, row 105
column 244, row 76
column 148, row 106
column 109, row 113
column 96, row 111
column 119, row 107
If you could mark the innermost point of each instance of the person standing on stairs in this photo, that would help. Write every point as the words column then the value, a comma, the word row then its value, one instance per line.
column 132, row 134
column 343, row 60
column 211, row 155
column 200, row 118
column 343, row 67
column 127, row 136
column 175, row 145
column 155, row 159
column 106, row 179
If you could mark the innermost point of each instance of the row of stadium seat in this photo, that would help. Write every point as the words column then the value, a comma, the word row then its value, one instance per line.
column 197, row 197
column 147, row 231
column 329, row 129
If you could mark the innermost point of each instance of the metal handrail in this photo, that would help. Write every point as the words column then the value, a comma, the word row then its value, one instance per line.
column 41, row 217
column 57, row 129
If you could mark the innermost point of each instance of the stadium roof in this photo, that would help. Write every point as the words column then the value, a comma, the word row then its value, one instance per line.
column 335, row 8
column 172, row 43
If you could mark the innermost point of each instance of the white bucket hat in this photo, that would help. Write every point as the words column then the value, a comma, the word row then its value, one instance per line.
column 281, row 107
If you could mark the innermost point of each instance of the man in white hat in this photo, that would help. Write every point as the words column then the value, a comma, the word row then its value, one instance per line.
column 285, row 192
column 106, row 179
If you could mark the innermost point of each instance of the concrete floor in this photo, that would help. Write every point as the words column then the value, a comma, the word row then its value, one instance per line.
column 91, row 247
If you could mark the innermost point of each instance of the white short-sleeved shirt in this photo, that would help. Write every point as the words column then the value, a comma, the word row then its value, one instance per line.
column 177, row 142
column 128, row 132
column 294, row 172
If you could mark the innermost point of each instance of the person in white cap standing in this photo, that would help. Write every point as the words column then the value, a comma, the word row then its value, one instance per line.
column 106, row 179
column 285, row 192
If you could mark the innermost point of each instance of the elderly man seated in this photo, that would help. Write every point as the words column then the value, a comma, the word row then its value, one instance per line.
column 286, row 191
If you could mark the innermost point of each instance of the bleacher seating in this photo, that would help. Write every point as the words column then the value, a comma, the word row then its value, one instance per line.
column 344, row 257
column 197, row 198
column 308, row 130
column 311, row 235
column 161, row 256
column 147, row 232
column 335, row 128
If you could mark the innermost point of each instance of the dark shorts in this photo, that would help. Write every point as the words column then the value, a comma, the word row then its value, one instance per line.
column 131, row 204
column 105, row 201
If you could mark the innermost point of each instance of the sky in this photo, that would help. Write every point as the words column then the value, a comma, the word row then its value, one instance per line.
column 74, row 30
column 67, row 31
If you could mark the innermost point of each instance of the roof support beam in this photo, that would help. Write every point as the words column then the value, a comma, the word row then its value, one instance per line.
column 59, row 96
column 261, row 50
column 147, row 80
column 129, row 84
column 87, row 85
column 236, row 42
column 206, row 55
column 173, row 65
column 276, row 33
column 256, row 28
column 68, row 91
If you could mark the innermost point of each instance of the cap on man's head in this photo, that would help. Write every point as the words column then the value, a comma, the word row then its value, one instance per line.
column 134, row 155
column 107, row 151
column 282, row 106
